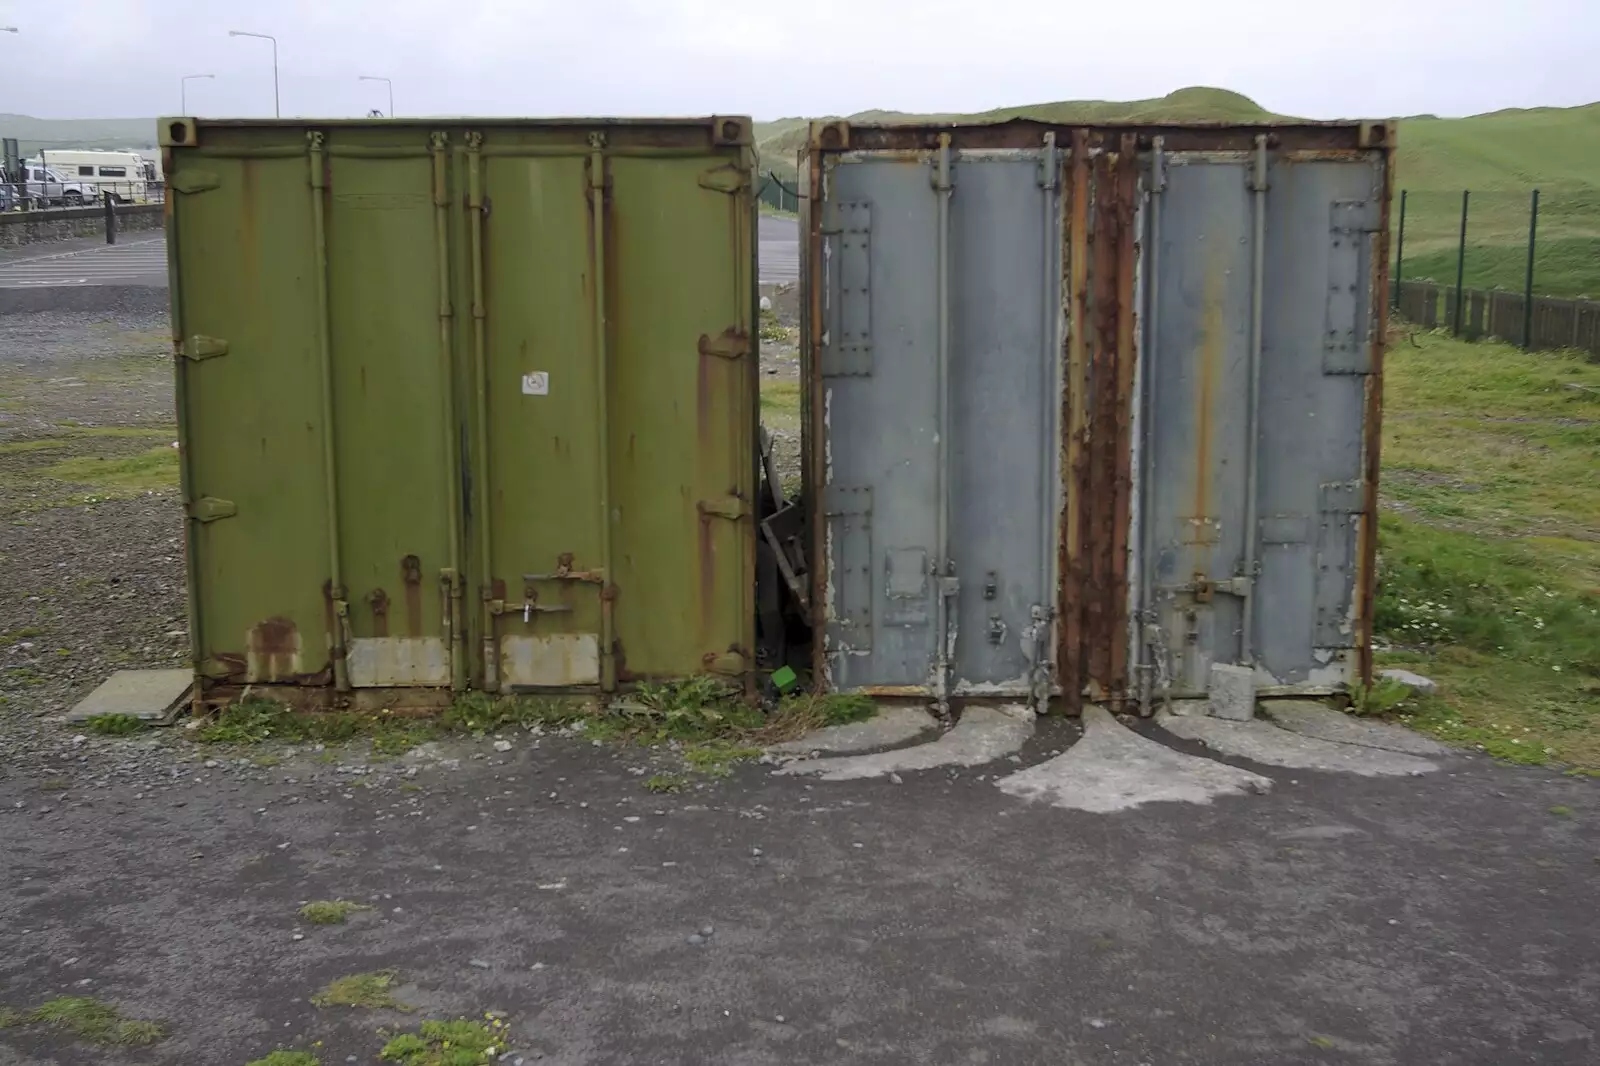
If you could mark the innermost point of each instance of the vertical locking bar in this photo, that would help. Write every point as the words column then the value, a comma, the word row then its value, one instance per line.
column 450, row 605
column 480, row 372
column 1049, row 173
column 597, row 263
column 1150, row 644
column 945, row 577
column 330, row 466
column 1252, row 536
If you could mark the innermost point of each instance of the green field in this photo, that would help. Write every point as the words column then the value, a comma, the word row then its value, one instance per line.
column 1489, row 564
column 1500, row 156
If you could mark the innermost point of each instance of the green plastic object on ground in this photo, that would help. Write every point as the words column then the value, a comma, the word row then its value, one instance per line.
column 784, row 677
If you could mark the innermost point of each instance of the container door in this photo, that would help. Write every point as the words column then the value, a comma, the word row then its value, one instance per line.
column 312, row 382
column 392, row 416
column 1198, row 431
column 1322, row 224
column 250, row 418
column 1320, row 218
column 619, row 413
column 879, row 356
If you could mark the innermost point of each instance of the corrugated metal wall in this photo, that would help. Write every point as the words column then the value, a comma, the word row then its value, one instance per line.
column 1046, row 367
column 466, row 402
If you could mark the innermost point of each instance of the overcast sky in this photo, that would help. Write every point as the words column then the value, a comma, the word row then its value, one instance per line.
column 116, row 58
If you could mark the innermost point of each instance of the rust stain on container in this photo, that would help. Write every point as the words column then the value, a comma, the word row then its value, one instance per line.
column 1069, row 653
column 1127, row 178
column 1103, row 395
column 1366, row 576
column 378, row 599
column 272, row 650
column 1207, row 368
column 411, row 574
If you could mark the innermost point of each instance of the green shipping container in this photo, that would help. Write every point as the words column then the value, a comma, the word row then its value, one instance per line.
column 465, row 402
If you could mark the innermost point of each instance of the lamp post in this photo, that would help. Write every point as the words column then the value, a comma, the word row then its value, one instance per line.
column 387, row 82
column 266, row 37
column 183, row 90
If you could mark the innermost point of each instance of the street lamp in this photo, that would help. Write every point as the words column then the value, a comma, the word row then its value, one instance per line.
column 266, row 37
column 386, row 81
column 183, row 90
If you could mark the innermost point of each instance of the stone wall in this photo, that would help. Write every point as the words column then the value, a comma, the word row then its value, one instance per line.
column 18, row 228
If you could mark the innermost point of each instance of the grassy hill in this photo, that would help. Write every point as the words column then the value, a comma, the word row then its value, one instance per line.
column 35, row 133
column 1500, row 156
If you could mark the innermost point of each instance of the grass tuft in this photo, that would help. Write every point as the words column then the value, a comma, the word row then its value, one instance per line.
column 114, row 725
column 330, row 911
column 455, row 1043
column 370, row 990
column 286, row 1057
column 666, row 783
column 96, row 1022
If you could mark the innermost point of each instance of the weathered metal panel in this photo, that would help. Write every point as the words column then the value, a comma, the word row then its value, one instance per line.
column 1213, row 392
column 466, row 402
column 878, row 362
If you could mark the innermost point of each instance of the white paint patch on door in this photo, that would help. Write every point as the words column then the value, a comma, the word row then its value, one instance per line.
column 398, row 662
column 557, row 660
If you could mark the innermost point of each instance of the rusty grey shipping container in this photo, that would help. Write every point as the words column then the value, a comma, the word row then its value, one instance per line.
column 465, row 402
column 1092, row 410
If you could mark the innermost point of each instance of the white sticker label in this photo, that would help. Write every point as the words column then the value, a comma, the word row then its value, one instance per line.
column 536, row 383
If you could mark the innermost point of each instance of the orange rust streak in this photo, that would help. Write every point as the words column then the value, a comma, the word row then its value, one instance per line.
column 1367, row 562
column 1211, row 342
column 1069, row 654
column 1126, row 185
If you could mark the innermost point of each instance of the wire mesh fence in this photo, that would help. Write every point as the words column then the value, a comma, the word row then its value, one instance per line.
column 35, row 190
column 1523, row 266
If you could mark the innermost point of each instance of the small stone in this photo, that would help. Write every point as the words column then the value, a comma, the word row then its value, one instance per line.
column 696, row 939
column 896, row 779
column 756, row 852
column 707, row 930
column 1415, row 682
column 780, row 1019
column 478, row 964
column 502, row 745
column 212, row 764
column 858, row 844
column 537, row 966
column 298, row 936
column 85, row 982
column 631, row 818
column 1098, row 1023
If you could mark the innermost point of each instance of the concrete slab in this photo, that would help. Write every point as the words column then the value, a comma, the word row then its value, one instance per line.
column 153, row 695
column 982, row 735
column 1263, row 742
column 1232, row 692
column 891, row 726
column 1312, row 719
column 1113, row 769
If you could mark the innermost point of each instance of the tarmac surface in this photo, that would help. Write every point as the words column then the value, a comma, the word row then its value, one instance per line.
column 1447, row 918
column 140, row 259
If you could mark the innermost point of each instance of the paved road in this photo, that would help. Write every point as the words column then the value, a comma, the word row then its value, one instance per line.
column 779, row 249
column 143, row 261
column 138, row 260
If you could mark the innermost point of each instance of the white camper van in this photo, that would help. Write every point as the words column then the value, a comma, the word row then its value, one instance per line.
column 125, row 177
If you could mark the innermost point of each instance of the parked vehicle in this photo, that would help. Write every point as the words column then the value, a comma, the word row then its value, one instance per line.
column 48, row 187
column 126, row 177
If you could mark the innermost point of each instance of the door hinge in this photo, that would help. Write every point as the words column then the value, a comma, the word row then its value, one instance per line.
column 729, row 507
column 731, row 343
column 198, row 347
column 193, row 181
column 210, row 508
column 729, row 179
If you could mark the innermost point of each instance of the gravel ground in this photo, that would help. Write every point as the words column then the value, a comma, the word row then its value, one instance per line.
column 91, row 587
